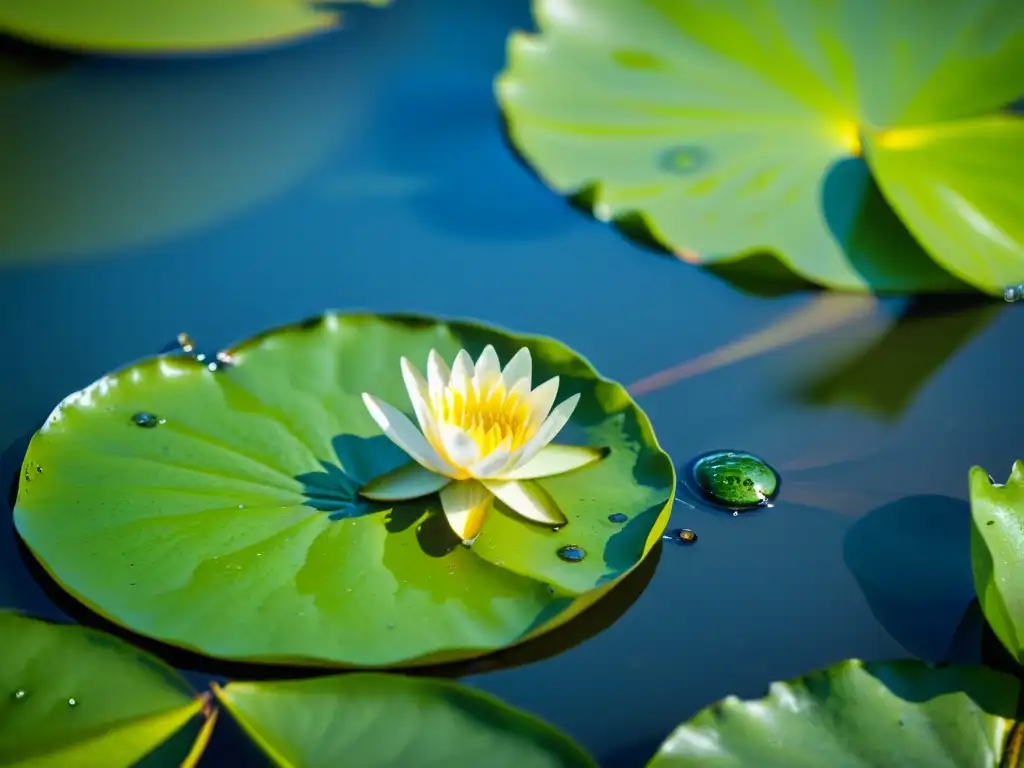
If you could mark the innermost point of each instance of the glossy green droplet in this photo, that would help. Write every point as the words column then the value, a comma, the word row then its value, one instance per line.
column 735, row 480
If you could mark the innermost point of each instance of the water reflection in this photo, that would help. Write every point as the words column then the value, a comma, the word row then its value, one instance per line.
column 441, row 144
column 107, row 155
column 883, row 380
column 912, row 560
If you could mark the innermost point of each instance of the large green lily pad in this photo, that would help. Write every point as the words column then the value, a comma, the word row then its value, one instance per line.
column 902, row 714
column 73, row 696
column 371, row 720
column 233, row 527
column 735, row 128
column 165, row 26
column 997, row 554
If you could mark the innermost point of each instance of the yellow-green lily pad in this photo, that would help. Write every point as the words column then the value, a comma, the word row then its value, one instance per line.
column 903, row 714
column 72, row 696
column 376, row 720
column 737, row 127
column 219, row 510
column 165, row 26
column 997, row 554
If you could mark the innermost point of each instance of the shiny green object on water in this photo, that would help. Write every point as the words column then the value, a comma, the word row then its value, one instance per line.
column 735, row 480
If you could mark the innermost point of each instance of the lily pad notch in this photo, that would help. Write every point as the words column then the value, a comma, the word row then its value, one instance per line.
column 236, row 504
column 80, row 697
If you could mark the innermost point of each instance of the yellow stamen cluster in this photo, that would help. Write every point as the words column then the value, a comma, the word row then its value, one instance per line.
column 489, row 418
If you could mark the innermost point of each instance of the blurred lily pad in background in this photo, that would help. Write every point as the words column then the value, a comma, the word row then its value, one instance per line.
column 997, row 551
column 166, row 26
column 217, row 510
column 74, row 696
column 903, row 714
column 742, row 127
column 375, row 720
column 104, row 155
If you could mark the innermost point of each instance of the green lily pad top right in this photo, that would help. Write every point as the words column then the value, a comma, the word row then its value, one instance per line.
column 864, row 143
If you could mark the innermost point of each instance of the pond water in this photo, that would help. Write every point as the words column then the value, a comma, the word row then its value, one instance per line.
column 367, row 170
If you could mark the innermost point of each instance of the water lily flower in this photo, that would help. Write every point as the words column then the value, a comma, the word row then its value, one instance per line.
column 483, row 434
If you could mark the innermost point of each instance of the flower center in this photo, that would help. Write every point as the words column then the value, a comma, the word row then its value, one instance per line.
column 489, row 418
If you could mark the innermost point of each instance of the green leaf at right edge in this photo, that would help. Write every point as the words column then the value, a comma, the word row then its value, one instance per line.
column 371, row 720
column 731, row 128
column 902, row 714
column 164, row 26
column 957, row 187
column 997, row 554
column 71, row 696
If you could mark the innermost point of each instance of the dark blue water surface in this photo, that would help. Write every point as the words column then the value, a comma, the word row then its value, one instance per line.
column 366, row 170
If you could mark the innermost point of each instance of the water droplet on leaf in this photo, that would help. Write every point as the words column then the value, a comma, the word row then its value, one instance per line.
column 20, row 694
column 147, row 420
column 617, row 517
column 1013, row 292
column 734, row 480
column 185, row 343
column 72, row 702
column 684, row 160
column 572, row 553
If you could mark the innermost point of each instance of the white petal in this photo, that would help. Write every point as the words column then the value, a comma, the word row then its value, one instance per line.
column 540, row 401
column 416, row 386
column 403, row 433
column 487, row 371
column 466, row 504
column 410, row 481
column 438, row 374
column 493, row 463
column 519, row 368
column 554, row 460
column 462, row 372
column 548, row 430
column 526, row 499
column 460, row 447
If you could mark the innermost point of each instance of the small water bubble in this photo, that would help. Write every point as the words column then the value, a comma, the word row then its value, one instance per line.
column 389, row 625
column 147, row 420
column 39, row 469
column 682, row 536
column 572, row 553
column 241, row 506
column 684, row 160
column 617, row 517
column 185, row 343
column 225, row 360
column 20, row 694
column 1013, row 293
column 734, row 480
column 557, row 528
column 72, row 702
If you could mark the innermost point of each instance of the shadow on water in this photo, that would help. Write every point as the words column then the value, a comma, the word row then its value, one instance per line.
column 912, row 561
column 883, row 380
column 333, row 491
